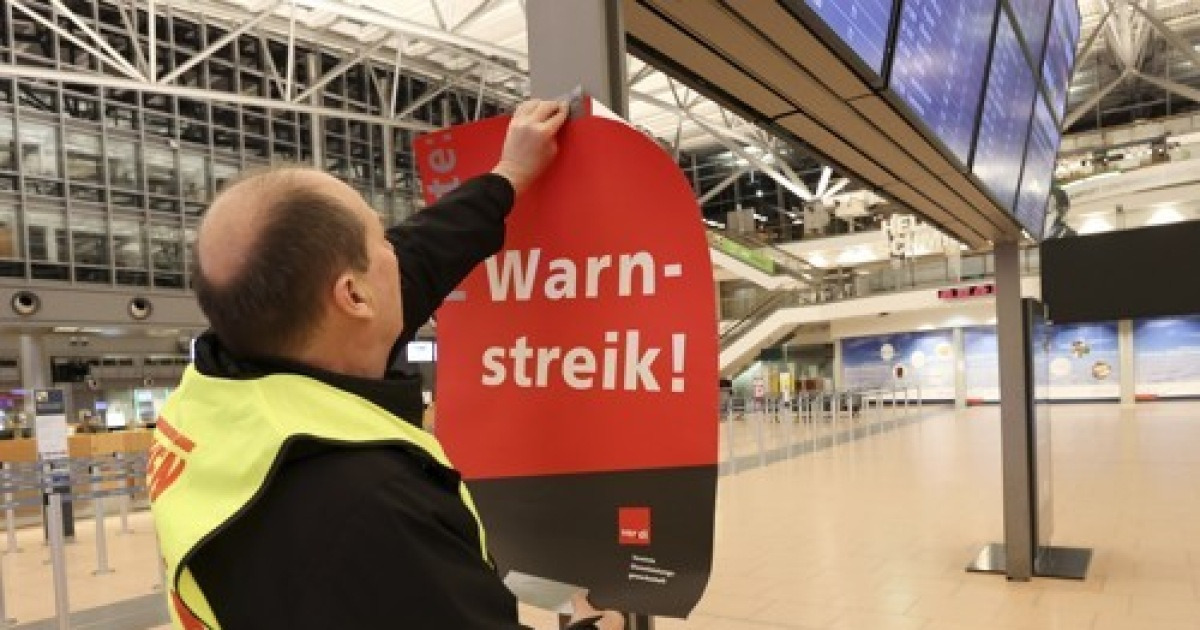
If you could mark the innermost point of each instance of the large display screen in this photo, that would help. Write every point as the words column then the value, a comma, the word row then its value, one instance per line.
column 862, row 24
column 1000, row 148
column 1039, row 171
column 1060, row 53
column 939, row 64
column 1031, row 16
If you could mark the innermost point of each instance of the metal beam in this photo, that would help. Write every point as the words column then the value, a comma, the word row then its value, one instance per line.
column 1095, row 35
column 1185, row 91
column 116, row 56
column 290, row 86
column 221, row 43
column 416, row 30
column 133, row 36
column 152, row 39
column 396, row 76
column 1074, row 116
column 478, row 12
column 107, row 81
column 437, row 13
column 37, row 17
column 340, row 68
column 435, row 92
column 837, row 187
column 757, row 163
column 725, row 183
column 641, row 75
column 271, row 67
column 786, row 168
column 1170, row 35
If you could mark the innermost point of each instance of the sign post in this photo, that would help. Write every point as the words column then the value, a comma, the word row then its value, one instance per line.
column 50, row 431
column 577, row 370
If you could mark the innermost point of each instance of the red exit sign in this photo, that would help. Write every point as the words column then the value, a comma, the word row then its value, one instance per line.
column 973, row 291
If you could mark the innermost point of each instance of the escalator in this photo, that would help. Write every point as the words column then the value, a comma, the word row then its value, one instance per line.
column 761, row 263
column 789, row 280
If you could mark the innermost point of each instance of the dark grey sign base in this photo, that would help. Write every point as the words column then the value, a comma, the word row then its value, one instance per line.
column 1068, row 563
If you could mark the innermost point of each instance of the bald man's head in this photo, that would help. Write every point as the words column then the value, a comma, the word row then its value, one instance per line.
column 268, row 250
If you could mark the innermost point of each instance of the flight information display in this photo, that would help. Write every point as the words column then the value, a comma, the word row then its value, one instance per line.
column 1040, row 155
column 862, row 24
column 1060, row 53
column 1007, row 109
column 940, row 58
column 1031, row 16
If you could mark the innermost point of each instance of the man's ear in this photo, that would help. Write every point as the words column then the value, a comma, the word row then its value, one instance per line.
column 352, row 296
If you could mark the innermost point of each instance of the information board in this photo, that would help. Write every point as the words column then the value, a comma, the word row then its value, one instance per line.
column 862, row 24
column 1060, row 54
column 50, row 423
column 939, row 64
column 1040, row 155
column 1004, row 127
column 1031, row 17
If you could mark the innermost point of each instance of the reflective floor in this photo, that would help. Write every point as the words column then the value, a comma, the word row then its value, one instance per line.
column 873, row 533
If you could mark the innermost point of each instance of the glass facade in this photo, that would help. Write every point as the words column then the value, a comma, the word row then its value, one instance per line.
column 103, row 185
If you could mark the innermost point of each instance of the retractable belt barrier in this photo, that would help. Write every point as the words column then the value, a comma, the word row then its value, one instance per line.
column 53, row 485
column 776, row 428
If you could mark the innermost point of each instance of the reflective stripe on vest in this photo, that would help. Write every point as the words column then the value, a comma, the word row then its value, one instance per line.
column 217, row 443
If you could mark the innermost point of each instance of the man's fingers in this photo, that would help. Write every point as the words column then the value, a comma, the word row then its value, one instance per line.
column 545, row 110
column 524, row 107
column 553, row 124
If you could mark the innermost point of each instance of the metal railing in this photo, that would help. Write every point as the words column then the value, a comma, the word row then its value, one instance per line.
column 764, row 256
column 55, row 489
column 756, row 432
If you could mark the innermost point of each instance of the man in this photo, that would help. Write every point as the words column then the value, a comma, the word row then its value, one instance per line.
column 292, row 485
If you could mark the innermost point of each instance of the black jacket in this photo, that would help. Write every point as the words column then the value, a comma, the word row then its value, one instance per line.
column 365, row 538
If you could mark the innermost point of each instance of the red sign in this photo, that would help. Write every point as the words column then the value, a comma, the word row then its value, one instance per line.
column 959, row 293
column 577, row 368
column 589, row 342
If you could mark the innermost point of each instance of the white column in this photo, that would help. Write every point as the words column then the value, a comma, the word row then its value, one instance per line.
column 33, row 366
column 960, row 369
column 1125, row 348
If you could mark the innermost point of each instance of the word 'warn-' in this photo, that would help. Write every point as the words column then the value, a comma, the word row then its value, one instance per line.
column 518, row 273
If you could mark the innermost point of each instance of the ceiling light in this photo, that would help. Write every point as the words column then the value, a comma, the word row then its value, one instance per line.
column 1095, row 225
column 1165, row 215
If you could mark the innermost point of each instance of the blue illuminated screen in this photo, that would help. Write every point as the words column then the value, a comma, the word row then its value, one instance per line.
column 1000, row 148
column 939, row 63
column 862, row 24
column 1040, row 155
column 1031, row 16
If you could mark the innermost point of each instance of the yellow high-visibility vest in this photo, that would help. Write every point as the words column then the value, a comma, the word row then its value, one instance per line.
column 219, row 440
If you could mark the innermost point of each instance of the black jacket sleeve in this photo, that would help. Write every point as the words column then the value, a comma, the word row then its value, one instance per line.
column 440, row 245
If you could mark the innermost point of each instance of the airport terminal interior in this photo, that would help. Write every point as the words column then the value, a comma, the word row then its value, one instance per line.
column 945, row 241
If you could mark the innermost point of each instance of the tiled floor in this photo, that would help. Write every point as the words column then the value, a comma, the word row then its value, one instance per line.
column 873, row 534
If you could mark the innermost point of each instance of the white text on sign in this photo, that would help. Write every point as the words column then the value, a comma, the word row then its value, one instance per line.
column 622, row 363
column 515, row 275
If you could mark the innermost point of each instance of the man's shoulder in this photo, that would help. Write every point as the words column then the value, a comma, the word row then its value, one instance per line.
column 353, row 471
